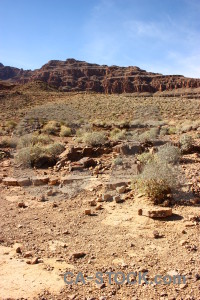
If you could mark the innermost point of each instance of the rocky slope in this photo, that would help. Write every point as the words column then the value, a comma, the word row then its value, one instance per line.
column 73, row 75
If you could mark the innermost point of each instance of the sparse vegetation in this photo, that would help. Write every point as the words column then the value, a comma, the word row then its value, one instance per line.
column 145, row 158
column 52, row 127
column 156, row 181
column 117, row 134
column 118, row 161
column 168, row 154
column 65, row 131
column 94, row 138
column 186, row 143
column 8, row 142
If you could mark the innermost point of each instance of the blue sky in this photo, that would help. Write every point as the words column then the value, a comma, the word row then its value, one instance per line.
column 156, row 35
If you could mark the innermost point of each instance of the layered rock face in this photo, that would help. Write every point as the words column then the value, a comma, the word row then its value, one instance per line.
column 72, row 75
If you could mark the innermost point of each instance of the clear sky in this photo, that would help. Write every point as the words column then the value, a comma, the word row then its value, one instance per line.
column 156, row 35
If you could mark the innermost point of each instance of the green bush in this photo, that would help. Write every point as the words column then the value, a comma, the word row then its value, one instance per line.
column 8, row 142
column 171, row 130
column 186, row 143
column 145, row 158
column 168, row 154
column 156, row 180
column 149, row 135
column 117, row 134
column 95, row 138
column 118, row 161
column 33, row 139
column 52, row 127
column 34, row 153
column 65, row 131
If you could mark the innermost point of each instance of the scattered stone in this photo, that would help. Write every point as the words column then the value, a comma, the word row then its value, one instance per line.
column 100, row 285
column 18, row 248
column 21, row 205
column 40, row 180
column 92, row 203
column 34, row 261
column 156, row 234
column 197, row 277
column 189, row 224
column 19, row 226
column 87, row 162
column 66, row 232
column 118, row 199
column 50, row 192
column 99, row 207
column 166, row 203
column 41, row 198
column 9, row 181
column 121, row 189
column 28, row 254
column 183, row 242
column 183, row 231
column 88, row 212
column 54, row 205
column 183, row 286
column 107, row 197
column 78, row 255
column 140, row 212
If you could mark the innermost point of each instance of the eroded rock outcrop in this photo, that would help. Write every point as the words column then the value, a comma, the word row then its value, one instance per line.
column 72, row 75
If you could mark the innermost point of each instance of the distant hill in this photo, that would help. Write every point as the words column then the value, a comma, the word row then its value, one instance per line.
column 73, row 75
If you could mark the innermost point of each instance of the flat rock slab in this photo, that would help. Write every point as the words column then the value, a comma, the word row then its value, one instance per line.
column 155, row 212
column 24, row 181
column 9, row 181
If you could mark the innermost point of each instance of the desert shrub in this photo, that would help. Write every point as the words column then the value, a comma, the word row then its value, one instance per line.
column 145, row 158
column 156, row 180
column 11, row 124
column 186, row 143
column 52, row 127
column 23, row 157
column 172, row 130
column 65, row 131
column 94, row 138
column 163, row 131
column 149, row 135
column 169, row 154
column 118, row 161
column 43, row 139
column 117, row 134
column 34, row 153
column 33, row 139
column 8, row 142
column 55, row 149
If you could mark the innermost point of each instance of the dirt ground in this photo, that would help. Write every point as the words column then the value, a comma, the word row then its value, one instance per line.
column 113, row 238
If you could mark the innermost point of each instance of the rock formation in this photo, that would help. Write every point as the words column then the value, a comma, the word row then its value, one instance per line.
column 72, row 75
